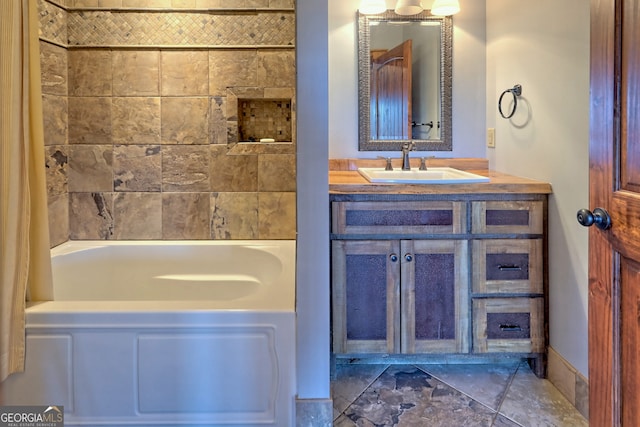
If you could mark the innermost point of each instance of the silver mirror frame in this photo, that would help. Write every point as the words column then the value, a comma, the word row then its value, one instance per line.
column 365, row 143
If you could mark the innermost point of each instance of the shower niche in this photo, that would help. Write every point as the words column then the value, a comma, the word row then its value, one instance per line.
column 260, row 116
column 264, row 120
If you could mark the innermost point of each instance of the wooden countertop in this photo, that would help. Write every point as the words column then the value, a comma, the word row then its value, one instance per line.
column 345, row 179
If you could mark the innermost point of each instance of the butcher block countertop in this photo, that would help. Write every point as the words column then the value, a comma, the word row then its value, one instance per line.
column 344, row 178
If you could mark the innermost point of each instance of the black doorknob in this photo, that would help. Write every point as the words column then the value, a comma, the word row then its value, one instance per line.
column 599, row 217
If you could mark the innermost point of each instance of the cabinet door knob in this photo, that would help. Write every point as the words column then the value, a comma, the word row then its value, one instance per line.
column 408, row 257
column 393, row 258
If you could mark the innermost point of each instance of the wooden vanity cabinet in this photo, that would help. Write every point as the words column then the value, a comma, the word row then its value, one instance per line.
column 508, row 279
column 392, row 295
column 448, row 274
column 399, row 296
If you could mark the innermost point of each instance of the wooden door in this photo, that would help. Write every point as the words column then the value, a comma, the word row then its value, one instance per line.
column 614, row 253
column 391, row 93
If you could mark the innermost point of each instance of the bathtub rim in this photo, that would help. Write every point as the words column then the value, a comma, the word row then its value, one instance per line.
column 71, row 246
column 284, row 250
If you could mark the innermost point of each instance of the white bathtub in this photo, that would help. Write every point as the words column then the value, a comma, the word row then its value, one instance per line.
column 197, row 333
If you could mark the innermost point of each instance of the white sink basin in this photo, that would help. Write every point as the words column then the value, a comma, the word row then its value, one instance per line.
column 415, row 176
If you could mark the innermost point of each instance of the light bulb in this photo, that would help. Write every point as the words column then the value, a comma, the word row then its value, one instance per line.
column 408, row 7
column 445, row 7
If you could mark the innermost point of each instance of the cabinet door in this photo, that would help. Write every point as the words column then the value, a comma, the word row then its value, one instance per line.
column 435, row 289
column 365, row 296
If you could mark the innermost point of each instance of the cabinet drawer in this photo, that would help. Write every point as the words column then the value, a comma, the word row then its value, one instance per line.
column 519, row 217
column 511, row 325
column 437, row 217
column 507, row 266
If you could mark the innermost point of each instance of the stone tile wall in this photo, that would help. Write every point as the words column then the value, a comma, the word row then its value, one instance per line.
column 54, row 67
column 141, row 139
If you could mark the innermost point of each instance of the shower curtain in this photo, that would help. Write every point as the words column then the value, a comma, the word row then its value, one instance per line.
column 25, row 263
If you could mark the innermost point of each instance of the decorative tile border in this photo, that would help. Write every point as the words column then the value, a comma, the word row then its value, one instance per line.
column 53, row 23
column 159, row 29
column 175, row 28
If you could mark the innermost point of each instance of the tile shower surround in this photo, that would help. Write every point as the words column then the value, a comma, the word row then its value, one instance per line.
column 136, row 136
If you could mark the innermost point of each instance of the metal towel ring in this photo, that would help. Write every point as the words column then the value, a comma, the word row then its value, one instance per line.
column 516, row 91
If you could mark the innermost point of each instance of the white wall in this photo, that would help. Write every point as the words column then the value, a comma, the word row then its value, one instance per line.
column 544, row 46
column 469, row 76
column 312, row 263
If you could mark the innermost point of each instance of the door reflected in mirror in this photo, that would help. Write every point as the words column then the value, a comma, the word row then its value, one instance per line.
column 404, row 81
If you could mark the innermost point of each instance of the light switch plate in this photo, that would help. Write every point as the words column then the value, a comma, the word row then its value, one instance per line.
column 491, row 138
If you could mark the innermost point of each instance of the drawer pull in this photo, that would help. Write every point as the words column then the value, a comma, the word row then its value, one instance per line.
column 510, row 328
column 509, row 268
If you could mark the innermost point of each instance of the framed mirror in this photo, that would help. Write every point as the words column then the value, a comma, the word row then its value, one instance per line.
column 404, row 81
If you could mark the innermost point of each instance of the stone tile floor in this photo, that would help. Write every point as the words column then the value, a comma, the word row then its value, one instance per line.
column 502, row 395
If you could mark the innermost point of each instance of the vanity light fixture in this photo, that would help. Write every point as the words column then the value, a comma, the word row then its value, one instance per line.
column 408, row 7
column 445, row 7
column 373, row 7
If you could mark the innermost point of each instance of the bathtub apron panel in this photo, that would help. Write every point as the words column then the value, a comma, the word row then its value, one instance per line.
column 185, row 350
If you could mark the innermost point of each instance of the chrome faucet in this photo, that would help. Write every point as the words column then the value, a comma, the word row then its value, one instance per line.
column 388, row 166
column 406, row 147
column 423, row 162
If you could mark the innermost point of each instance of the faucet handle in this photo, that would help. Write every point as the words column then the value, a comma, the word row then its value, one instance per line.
column 388, row 166
column 423, row 162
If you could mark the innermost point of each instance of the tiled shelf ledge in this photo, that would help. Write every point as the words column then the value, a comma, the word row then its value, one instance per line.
column 245, row 148
column 55, row 3
column 169, row 9
column 172, row 47
column 167, row 47
column 53, row 42
column 177, row 10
